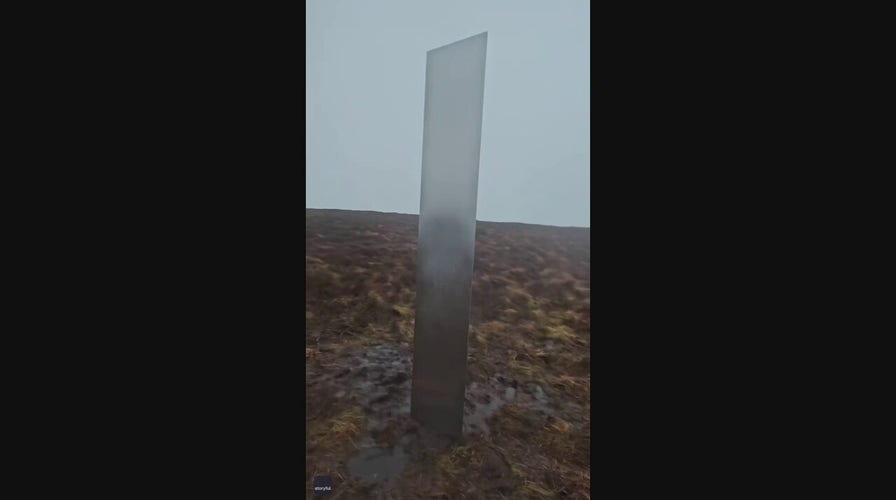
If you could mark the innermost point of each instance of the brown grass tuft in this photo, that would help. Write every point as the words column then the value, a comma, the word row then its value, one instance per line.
column 337, row 431
column 453, row 463
column 564, row 334
column 579, row 387
column 403, row 311
column 534, row 489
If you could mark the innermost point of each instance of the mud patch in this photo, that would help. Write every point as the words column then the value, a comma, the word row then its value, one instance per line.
column 379, row 380
column 377, row 464
column 483, row 401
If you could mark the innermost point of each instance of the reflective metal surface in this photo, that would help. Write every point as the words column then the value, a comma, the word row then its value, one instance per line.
column 452, row 129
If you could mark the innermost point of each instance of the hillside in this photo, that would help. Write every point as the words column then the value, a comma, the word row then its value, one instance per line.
column 528, row 414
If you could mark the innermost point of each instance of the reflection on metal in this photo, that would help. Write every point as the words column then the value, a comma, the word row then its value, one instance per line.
column 452, row 130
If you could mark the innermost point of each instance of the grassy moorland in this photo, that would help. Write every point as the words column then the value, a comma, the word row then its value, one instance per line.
column 528, row 412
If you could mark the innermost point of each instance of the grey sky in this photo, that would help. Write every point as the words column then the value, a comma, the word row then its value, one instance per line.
column 366, row 69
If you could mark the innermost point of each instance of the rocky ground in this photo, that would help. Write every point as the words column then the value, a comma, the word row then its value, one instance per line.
column 528, row 413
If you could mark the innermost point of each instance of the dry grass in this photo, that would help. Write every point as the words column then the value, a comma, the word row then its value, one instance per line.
column 343, row 428
column 453, row 463
column 559, row 436
column 403, row 311
column 528, row 371
column 579, row 387
column 563, row 334
column 533, row 489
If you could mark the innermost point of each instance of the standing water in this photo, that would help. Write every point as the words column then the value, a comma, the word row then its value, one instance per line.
column 377, row 463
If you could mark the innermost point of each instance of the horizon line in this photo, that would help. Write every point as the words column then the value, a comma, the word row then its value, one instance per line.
column 477, row 220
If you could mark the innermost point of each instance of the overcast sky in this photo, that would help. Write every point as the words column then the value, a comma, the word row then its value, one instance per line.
column 366, row 69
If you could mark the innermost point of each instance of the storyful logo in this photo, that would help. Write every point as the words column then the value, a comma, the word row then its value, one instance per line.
column 322, row 485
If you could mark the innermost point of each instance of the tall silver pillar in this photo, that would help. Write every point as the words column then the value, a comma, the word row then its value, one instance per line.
column 452, row 132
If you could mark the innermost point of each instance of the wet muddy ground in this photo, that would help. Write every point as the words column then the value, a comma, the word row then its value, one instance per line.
column 527, row 407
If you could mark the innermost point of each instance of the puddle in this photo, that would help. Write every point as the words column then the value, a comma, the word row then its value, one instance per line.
column 377, row 464
column 379, row 380
column 483, row 401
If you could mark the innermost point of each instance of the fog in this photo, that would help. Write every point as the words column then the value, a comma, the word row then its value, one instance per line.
column 366, row 73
